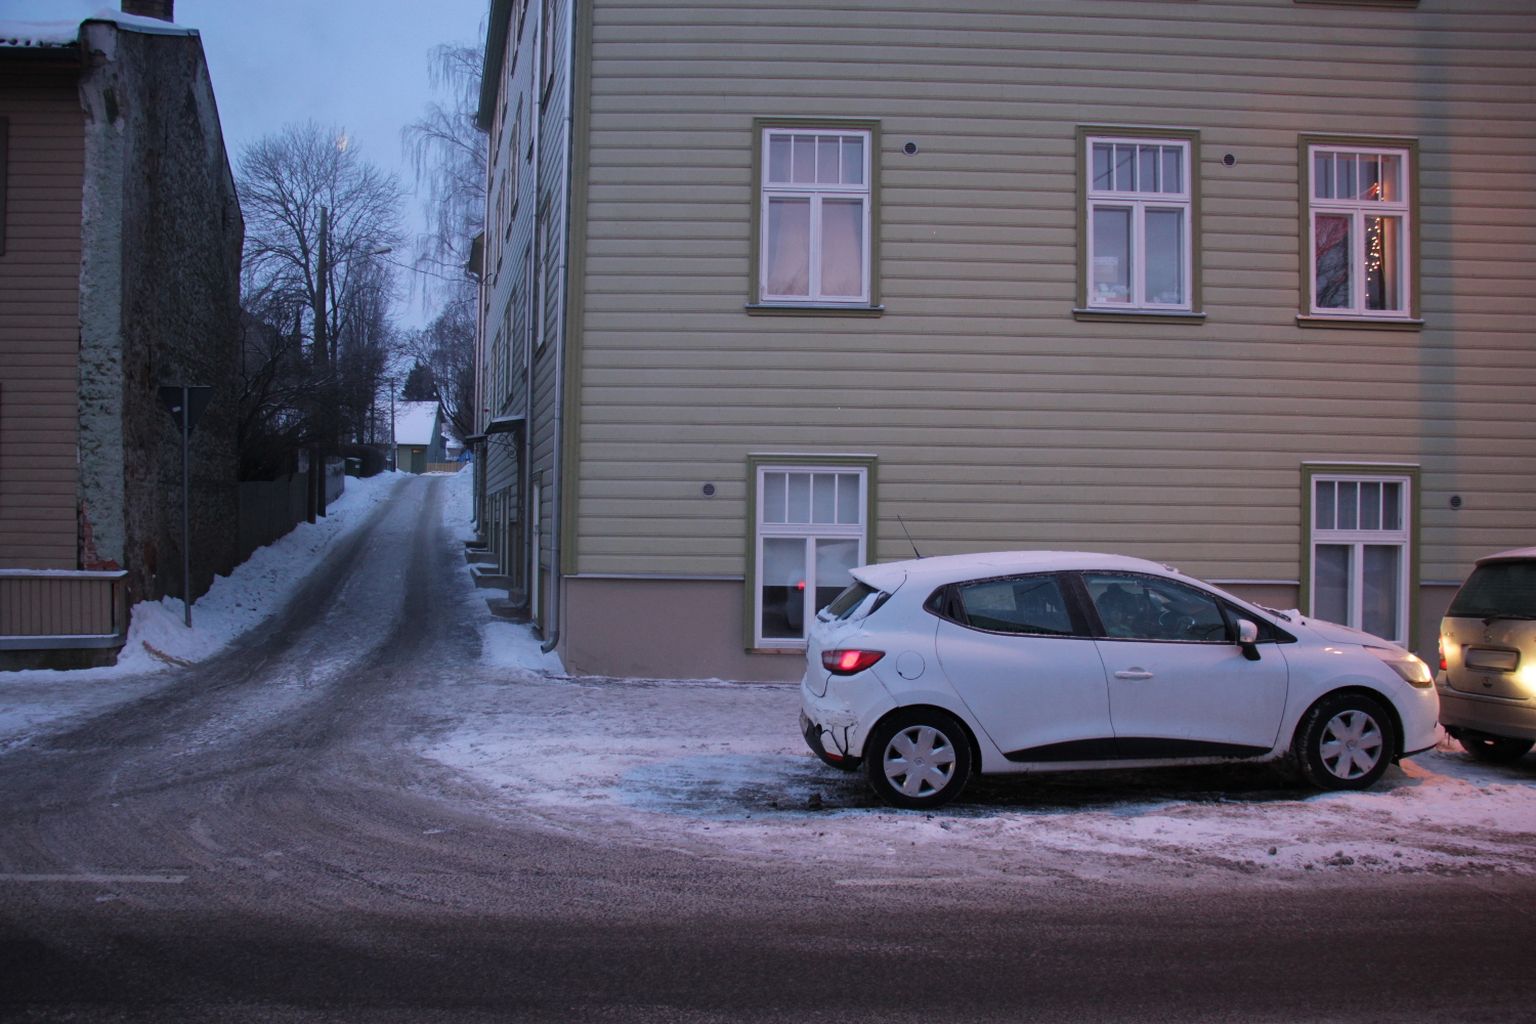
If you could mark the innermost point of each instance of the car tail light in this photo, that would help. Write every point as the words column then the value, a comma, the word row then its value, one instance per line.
column 1441, row 645
column 848, row 661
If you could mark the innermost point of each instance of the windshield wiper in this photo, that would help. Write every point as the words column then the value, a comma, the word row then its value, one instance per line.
column 1489, row 620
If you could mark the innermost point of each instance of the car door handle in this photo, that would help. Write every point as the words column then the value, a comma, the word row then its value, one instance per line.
column 1133, row 673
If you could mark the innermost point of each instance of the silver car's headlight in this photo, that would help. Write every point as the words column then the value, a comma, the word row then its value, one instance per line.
column 1410, row 666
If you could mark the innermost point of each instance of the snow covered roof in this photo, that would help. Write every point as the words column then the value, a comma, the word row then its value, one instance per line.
column 414, row 422
column 55, row 24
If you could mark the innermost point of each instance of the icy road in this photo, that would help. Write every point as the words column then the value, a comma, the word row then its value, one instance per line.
column 378, row 805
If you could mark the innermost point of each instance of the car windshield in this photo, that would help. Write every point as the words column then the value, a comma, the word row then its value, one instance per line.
column 1497, row 590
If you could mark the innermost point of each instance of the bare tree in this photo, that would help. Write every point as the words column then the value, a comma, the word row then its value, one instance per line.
column 318, row 221
column 448, row 152
column 448, row 155
column 275, row 385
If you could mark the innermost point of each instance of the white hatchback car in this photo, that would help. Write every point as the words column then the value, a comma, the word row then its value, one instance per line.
column 930, row 670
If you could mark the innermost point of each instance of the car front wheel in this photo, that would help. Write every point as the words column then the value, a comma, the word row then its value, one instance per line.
column 1345, row 742
column 919, row 758
column 1496, row 749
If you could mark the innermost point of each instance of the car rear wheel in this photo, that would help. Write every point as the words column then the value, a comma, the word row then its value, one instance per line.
column 1496, row 749
column 1345, row 742
column 919, row 758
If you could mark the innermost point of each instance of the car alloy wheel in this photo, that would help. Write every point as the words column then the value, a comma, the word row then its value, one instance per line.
column 1345, row 742
column 919, row 758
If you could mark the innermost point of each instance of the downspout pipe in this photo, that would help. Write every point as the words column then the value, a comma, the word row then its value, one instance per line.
column 557, row 461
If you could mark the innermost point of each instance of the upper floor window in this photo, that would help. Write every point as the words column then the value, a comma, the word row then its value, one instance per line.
column 1139, row 222
column 1359, row 224
column 513, row 151
column 815, row 215
column 547, row 47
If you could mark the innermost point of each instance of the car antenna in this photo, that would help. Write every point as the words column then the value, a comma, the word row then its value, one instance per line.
column 904, row 530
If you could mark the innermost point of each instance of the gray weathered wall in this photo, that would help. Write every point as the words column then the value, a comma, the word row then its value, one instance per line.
column 160, row 306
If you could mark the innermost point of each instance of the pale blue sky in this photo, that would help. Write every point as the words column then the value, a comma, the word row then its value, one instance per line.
column 361, row 65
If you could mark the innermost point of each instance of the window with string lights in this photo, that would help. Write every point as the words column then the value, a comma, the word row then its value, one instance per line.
column 1360, row 229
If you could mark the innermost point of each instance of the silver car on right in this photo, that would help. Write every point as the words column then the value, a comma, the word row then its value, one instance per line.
column 1487, row 678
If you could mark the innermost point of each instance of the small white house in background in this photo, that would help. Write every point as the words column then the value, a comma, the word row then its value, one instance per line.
column 418, row 437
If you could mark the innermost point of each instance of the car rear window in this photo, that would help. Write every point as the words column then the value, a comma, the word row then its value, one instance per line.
column 1497, row 590
column 855, row 599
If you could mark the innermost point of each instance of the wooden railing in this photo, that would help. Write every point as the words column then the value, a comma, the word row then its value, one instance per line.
column 49, row 609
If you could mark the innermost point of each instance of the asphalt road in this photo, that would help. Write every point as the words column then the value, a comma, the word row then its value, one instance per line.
column 259, row 842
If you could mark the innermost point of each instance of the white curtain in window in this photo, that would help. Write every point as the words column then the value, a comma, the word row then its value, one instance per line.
column 842, row 248
column 789, row 247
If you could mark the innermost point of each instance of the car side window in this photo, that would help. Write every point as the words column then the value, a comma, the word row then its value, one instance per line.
column 1033, row 605
column 1147, row 608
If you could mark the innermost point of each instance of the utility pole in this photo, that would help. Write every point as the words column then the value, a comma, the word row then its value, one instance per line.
column 326, row 409
column 322, row 273
column 186, row 405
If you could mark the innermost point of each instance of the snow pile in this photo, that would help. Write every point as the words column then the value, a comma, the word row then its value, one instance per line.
column 256, row 589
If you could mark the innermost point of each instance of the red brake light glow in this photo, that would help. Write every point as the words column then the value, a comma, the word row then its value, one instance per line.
column 847, row 662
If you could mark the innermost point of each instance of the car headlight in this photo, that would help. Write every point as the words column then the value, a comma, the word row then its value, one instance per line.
column 1410, row 666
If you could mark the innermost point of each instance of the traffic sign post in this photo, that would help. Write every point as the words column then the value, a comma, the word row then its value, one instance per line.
column 186, row 405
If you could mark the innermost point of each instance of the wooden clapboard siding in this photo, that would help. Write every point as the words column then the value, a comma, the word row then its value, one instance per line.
column 998, row 419
column 40, row 326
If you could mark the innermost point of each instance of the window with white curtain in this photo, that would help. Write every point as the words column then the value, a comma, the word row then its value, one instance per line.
column 1360, row 548
column 814, row 216
column 1358, row 223
column 810, row 532
column 1139, row 227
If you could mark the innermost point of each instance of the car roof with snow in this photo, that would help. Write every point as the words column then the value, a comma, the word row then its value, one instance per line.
column 941, row 569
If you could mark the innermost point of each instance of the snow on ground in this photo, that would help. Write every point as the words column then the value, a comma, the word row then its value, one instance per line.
column 719, row 768
column 158, row 639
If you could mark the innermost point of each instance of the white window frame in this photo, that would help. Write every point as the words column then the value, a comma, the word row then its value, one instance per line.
column 1140, row 203
column 1358, row 538
column 1358, row 210
column 809, row 533
column 816, row 194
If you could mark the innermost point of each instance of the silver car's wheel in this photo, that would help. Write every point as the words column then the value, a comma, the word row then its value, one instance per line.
column 1345, row 742
column 1352, row 745
column 918, row 758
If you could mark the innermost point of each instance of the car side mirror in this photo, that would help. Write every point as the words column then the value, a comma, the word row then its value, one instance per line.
column 1248, row 639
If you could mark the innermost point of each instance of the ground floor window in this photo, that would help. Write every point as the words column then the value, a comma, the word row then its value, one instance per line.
column 1360, row 548
column 810, row 530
